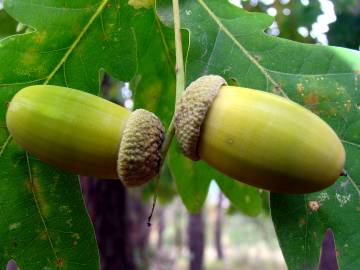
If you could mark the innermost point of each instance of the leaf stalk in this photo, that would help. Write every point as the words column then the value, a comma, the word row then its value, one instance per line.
column 180, row 75
column 180, row 87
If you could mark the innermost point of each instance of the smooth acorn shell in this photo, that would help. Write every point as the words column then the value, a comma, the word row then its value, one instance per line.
column 69, row 129
column 269, row 142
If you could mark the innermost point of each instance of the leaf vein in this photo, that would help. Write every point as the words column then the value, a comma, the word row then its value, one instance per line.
column 242, row 48
column 351, row 143
column 4, row 146
column 38, row 207
column 19, row 83
column 354, row 184
column 163, row 41
column 58, row 8
column 76, row 42
column 212, row 54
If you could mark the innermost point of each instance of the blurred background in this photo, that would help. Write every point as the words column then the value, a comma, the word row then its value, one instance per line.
column 220, row 237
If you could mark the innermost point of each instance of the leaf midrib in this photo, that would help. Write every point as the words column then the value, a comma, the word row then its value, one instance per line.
column 76, row 41
column 252, row 59
column 4, row 146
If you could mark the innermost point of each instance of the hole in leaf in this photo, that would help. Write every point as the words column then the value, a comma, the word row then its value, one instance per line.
column 116, row 91
column 328, row 254
column 11, row 265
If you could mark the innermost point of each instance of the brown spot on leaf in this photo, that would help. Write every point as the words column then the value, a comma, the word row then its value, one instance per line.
column 278, row 89
column 44, row 235
column 302, row 222
column 34, row 187
column 76, row 236
column 311, row 99
column 314, row 206
column 137, row 4
column 333, row 111
column 104, row 36
column 347, row 105
column 88, row 8
column 40, row 37
column 300, row 88
column 60, row 263
column 29, row 57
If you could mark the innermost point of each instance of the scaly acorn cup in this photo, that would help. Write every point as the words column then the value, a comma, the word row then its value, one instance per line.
column 258, row 138
column 85, row 134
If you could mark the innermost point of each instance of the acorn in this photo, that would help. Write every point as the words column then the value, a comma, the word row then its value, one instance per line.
column 258, row 138
column 85, row 134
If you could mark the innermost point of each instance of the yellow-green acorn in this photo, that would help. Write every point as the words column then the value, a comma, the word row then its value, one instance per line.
column 86, row 134
column 258, row 138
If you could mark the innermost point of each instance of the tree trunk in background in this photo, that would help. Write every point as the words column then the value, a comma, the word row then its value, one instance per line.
column 120, row 220
column 137, row 215
column 196, row 241
column 345, row 31
column 106, row 203
column 218, row 227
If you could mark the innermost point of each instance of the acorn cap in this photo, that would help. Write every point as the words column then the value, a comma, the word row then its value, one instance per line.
column 139, row 156
column 191, row 112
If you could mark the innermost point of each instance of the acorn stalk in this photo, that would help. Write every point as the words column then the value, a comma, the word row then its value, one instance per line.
column 83, row 133
column 258, row 138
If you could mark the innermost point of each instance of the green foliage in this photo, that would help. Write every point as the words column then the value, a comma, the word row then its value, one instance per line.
column 8, row 24
column 346, row 5
column 231, row 42
column 300, row 16
column 43, row 221
column 154, row 83
column 345, row 31
column 244, row 197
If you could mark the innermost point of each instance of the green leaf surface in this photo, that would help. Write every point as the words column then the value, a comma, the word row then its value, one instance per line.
column 43, row 222
column 231, row 42
column 154, row 83
column 192, row 178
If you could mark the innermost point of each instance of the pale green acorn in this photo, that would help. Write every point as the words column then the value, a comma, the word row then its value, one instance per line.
column 86, row 134
column 258, row 138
